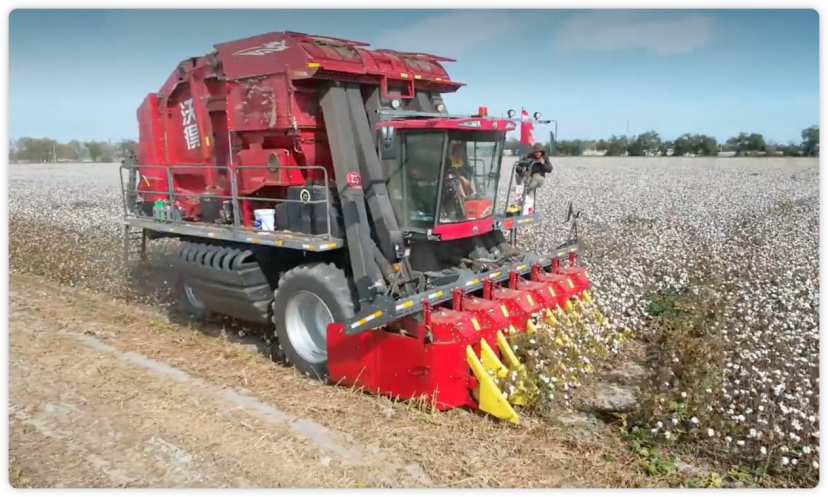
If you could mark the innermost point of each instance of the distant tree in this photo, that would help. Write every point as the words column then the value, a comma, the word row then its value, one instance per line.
column 810, row 140
column 572, row 148
column 645, row 144
column 792, row 149
column 617, row 145
column 75, row 150
column 126, row 148
column 36, row 149
column 706, row 146
column 601, row 145
column 684, row 145
column 747, row 143
column 95, row 150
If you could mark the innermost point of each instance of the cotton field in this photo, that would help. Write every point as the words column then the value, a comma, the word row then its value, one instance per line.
column 713, row 264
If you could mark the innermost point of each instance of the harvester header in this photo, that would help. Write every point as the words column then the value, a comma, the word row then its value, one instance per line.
column 324, row 188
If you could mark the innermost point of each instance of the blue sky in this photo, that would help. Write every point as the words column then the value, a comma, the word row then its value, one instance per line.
column 82, row 73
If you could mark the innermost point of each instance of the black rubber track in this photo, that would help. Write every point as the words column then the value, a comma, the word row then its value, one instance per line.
column 327, row 282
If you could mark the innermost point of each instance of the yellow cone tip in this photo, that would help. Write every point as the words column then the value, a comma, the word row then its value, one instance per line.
column 550, row 318
column 506, row 351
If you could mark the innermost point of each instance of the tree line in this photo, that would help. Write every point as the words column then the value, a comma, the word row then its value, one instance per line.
column 651, row 144
column 29, row 149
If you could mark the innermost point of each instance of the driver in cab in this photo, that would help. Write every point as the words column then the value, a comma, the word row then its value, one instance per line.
column 463, row 174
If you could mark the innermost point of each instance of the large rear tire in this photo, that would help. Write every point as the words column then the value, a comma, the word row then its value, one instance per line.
column 307, row 300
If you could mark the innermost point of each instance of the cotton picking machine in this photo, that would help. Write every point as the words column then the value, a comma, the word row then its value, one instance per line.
column 323, row 187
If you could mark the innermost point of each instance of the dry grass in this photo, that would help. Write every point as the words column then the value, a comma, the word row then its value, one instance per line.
column 456, row 448
column 21, row 478
column 87, row 417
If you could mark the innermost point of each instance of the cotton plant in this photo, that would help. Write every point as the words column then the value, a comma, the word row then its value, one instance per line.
column 738, row 251
column 565, row 347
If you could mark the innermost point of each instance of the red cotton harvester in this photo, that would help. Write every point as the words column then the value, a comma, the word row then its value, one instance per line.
column 322, row 187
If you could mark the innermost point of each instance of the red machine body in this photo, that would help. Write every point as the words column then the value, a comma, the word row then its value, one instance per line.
column 255, row 102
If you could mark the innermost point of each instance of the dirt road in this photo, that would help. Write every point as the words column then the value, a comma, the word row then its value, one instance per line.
column 84, row 413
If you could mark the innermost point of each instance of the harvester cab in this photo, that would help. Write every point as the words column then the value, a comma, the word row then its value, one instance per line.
column 442, row 170
column 323, row 188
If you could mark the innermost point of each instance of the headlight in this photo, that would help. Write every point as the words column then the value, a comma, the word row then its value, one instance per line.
column 395, row 104
column 511, row 113
column 537, row 116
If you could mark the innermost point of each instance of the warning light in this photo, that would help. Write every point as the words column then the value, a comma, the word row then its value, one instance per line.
column 483, row 111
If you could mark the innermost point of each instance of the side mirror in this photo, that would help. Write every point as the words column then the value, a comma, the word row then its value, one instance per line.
column 551, row 143
column 387, row 143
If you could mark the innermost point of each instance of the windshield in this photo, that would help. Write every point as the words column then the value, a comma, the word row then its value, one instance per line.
column 472, row 170
column 467, row 169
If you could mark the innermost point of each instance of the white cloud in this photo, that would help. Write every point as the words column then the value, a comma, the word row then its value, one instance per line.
column 608, row 30
column 453, row 32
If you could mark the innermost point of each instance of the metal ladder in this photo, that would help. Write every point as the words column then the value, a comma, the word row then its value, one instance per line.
column 135, row 243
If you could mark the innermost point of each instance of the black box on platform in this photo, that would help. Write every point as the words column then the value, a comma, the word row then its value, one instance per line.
column 308, row 213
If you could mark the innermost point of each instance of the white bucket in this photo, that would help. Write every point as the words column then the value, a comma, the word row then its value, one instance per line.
column 528, row 204
column 265, row 219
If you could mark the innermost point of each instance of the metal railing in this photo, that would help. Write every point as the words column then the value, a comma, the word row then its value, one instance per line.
column 515, row 180
column 136, row 175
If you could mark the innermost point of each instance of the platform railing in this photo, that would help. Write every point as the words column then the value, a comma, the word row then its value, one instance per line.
column 514, row 180
column 134, row 178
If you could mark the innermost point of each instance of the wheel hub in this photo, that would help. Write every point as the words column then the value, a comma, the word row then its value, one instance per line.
column 306, row 320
